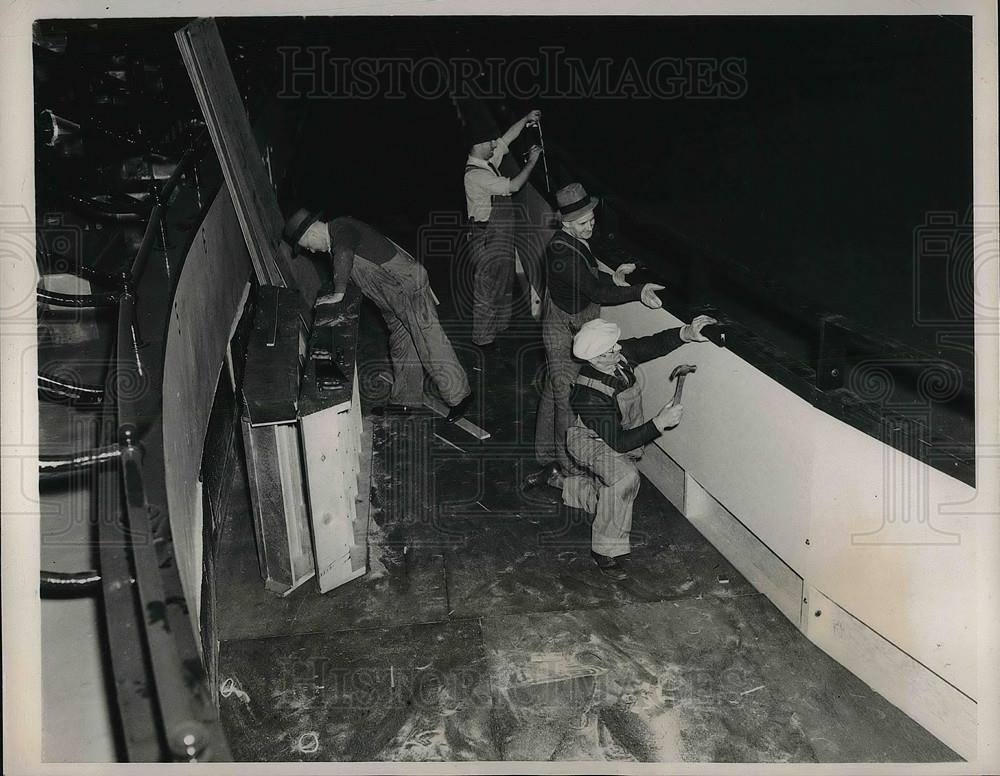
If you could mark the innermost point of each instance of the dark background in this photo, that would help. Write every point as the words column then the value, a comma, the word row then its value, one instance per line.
column 850, row 133
column 816, row 184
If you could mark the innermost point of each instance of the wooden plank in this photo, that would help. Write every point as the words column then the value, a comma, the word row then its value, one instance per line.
column 241, row 160
column 463, row 423
column 751, row 557
column 931, row 701
column 208, row 67
column 271, row 380
column 665, row 473
column 294, row 502
column 266, row 502
column 330, row 454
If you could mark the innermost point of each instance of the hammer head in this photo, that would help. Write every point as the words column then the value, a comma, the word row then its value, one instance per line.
column 683, row 369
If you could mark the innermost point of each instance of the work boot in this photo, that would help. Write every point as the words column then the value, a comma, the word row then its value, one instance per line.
column 609, row 566
column 461, row 408
column 550, row 474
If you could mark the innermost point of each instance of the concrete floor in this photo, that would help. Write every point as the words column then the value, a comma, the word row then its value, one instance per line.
column 483, row 631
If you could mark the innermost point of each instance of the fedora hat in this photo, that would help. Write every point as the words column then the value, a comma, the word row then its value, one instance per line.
column 574, row 202
column 296, row 226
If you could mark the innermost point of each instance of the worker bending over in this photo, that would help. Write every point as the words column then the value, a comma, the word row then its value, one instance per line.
column 398, row 285
column 608, row 433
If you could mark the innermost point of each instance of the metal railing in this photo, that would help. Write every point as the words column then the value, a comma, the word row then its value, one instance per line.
column 165, row 705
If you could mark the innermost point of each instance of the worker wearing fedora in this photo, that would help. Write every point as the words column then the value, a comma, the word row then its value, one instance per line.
column 491, row 221
column 608, row 432
column 399, row 287
column 575, row 290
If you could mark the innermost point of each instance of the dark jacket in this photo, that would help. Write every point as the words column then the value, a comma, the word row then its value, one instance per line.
column 600, row 413
column 570, row 282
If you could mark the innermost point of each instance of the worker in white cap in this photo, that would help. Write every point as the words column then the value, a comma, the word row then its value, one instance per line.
column 608, row 433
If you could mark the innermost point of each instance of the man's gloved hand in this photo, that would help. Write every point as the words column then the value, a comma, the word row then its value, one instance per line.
column 668, row 417
column 649, row 297
column 691, row 332
column 618, row 277
column 534, row 152
column 334, row 298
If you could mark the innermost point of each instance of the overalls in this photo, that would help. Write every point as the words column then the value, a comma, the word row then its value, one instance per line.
column 492, row 251
column 554, row 412
column 608, row 488
column 417, row 343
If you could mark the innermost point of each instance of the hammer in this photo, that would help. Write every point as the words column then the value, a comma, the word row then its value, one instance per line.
column 680, row 372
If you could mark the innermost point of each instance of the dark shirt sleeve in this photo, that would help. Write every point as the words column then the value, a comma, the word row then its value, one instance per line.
column 570, row 270
column 599, row 413
column 344, row 240
column 640, row 349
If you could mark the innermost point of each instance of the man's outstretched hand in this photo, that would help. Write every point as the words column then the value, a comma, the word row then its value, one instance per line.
column 618, row 277
column 691, row 332
column 649, row 297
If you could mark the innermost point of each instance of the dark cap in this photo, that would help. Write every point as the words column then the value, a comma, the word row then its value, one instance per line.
column 480, row 131
column 296, row 226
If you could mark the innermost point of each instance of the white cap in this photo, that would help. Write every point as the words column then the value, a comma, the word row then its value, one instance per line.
column 594, row 338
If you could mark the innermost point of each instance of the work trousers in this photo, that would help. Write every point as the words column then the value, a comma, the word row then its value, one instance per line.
column 417, row 343
column 554, row 412
column 606, row 489
column 492, row 253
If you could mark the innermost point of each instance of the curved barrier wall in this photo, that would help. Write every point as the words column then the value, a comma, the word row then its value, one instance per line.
column 871, row 553
column 208, row 302
column 887, row 540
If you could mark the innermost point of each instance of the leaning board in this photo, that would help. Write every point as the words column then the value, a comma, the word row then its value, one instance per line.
column 240, row 158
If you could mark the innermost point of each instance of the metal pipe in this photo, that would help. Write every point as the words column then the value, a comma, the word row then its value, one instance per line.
column 129, row 332
column 81, row 392
column 78, row 301
column 57, row 584
column 67, row 265
column 187, row 159
column 50, row 467
column 99, row 209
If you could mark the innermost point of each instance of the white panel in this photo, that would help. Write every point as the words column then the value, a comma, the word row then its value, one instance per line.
column 880, row 548
column 936, row 705
column 761, row 567
column 792, row 474
column 751, row 453
column 330, row 451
